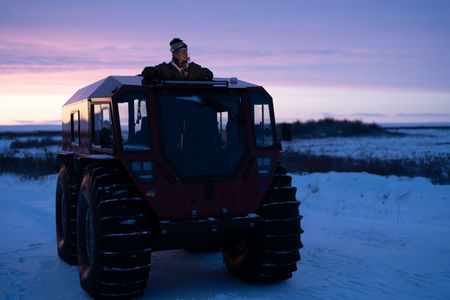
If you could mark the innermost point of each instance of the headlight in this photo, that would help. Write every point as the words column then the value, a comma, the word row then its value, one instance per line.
column 143, row 170
column 265, row 165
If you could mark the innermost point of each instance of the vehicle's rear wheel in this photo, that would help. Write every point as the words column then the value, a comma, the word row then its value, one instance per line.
column 269, row 253
column 66, row 216
column 114, row 234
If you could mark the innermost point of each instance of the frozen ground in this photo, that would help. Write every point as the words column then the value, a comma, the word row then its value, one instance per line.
column 366, row 237
column 417, row 143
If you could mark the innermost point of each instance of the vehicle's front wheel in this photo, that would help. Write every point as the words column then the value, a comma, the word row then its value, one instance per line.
column 270, row 252
column 114, row 235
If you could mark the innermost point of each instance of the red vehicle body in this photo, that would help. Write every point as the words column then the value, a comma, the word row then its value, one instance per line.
column 201, row 155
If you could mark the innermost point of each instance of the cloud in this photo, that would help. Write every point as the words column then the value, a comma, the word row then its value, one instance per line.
column 354, row 115
column 34, row 122
column 362, row 114
column 286, row 64
column 17, row 57
column 318, row 51
column 24, row 122
column 41, row 56
column 424, row 115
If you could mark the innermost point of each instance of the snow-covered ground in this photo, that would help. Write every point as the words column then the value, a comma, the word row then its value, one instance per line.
column 416, row 143
column 366, row 237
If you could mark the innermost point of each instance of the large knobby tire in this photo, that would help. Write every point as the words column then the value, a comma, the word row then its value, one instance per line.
column 114, row 235
column 66, row 201
column 270, row 252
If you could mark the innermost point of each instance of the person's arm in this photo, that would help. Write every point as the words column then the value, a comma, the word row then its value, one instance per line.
column 151, row 72
column 197, row 72
column 207, row 74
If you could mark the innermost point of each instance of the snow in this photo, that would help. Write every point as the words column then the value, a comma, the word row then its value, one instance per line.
column 366, row 237
column 417, row 143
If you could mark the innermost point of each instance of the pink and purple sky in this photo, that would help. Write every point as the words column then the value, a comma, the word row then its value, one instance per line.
column 382, row 61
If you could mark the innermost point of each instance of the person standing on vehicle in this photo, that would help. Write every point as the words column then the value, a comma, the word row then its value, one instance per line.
column 180, row 68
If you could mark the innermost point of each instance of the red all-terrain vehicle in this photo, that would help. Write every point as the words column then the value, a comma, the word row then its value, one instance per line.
column 172, row 165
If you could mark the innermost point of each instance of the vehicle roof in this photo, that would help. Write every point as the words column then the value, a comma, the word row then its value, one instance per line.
column 106, row 87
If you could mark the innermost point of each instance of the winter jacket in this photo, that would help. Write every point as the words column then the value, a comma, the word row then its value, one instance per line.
column 169, row 72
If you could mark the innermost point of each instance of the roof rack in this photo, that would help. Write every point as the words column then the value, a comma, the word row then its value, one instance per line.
column 166, row 83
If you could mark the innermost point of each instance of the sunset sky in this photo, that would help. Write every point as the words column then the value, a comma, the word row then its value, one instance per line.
column 383, row 61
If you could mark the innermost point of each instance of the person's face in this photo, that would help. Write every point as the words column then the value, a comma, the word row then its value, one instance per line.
column 182, row 54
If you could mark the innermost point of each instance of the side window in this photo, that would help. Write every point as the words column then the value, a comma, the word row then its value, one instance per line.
column 222, row 125
column 102, row 126
column 262, row 121
column 134, row 122
column 75, row 127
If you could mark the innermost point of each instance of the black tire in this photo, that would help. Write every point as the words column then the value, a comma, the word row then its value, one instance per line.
column 279, row 169
column 114, row 235
column 269, row 253
column 66, row 201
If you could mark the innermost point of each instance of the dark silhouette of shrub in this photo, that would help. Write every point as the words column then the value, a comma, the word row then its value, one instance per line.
column 29, row 166
column 34, row 143
column 335, row 128
column 437, row 168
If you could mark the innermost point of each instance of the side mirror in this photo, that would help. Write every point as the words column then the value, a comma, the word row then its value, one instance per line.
column 286, row 132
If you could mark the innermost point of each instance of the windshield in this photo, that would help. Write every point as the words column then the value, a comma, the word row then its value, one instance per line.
column 202, row 134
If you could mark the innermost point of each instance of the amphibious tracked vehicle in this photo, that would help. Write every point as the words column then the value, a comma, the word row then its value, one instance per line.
column 172, row 165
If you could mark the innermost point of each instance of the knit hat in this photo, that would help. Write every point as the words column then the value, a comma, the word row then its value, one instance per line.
column 176, row 44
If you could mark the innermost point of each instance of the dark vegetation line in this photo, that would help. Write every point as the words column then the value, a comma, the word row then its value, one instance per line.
column 336, row 128
column 29, row 166
column 34, row 143
column 437, row 168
